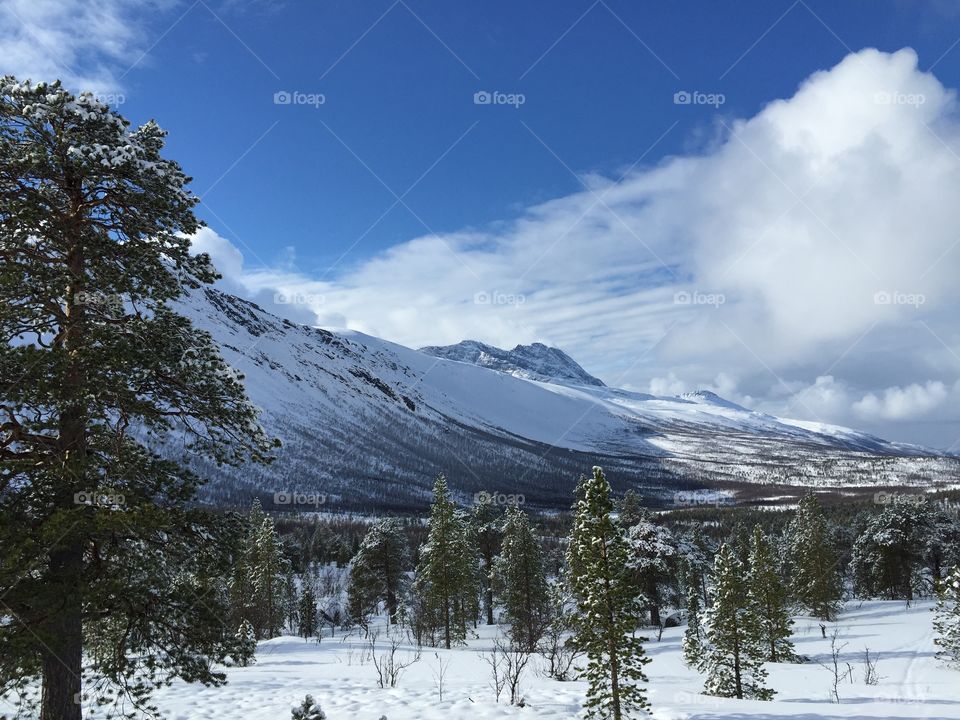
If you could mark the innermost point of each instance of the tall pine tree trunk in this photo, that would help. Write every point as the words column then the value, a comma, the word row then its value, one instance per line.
column 62, row 655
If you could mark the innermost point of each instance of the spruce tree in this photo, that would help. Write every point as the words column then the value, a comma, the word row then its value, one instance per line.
column 653, row 555
column 888, row 556
column 947, row 619
column 268, row 568
column 246, row 644
column 487, row 522
column 693, row 637
column 307, row 612
column 735, row 647
column 769, row 600
column 448, row 572
column 523, row 582
column 813, row 561
column 377, row 570
column 95, row 249
column 604, row 627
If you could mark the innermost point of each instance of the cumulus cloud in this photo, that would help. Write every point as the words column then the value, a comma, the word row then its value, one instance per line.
column 897, row 403
column 809, row 257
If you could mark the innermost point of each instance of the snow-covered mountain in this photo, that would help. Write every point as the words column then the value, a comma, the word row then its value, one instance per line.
column 533, row 362
column 366, row 423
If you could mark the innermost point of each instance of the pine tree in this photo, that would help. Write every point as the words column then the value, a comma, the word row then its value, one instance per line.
column 813, row 562
column 522, row 578
column 307, row 612
column 94, row 242
column 446, row 583
column 246, row 644
column 693, row 637
column 888, row 556
column 487, row 522
column 769, row 600
column 268, row 569
column 608, row 606
column 653, row 555
column 947, row 619
column 735, row 647
column 308, row 710
column 377, row 570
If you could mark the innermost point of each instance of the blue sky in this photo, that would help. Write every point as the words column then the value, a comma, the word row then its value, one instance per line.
column 786, row 239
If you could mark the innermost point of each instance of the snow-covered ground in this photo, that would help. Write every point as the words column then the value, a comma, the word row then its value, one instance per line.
column 336, row 672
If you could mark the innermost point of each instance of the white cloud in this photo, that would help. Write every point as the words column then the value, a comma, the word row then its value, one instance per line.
column 897, row 403
column 88, row 45
column 802, row 243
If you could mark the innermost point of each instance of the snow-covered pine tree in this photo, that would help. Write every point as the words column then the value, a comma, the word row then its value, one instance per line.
column 307, row 611
column 813, row 562
column 888, row 556
column 769, row 600
column 653, row 554
column 377, row 571
column 694, row 652
column 447, row 572
column 522, row 578
column 604, row 627
column 735, row 648
column 268, row 569
column 487, row 522
column 309, row 709
column 947, row 619
column 95, row 229
column 246, row 644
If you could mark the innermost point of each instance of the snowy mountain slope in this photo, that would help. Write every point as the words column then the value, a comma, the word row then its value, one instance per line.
column 534, row 362
column 368, row 423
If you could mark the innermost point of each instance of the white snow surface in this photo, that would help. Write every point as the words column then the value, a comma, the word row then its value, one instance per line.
column 913, row 683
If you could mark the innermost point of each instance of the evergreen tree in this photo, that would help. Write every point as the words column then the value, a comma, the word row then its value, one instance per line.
column 487, row 522
column 888, row 556
column 309, row 709
column 521, row 575
column 608, row 607
column 447, row 572
column 769, row 600
column 246, row 644
column 693, row 637
column 653, row 555
column 735, row 645
column 947, row 619
column 268, row 569
column 307, row 612
column 94, row 242
column 377, row 570
column 813, row 563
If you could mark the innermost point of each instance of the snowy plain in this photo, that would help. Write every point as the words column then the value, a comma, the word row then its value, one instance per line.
column 913, row 683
